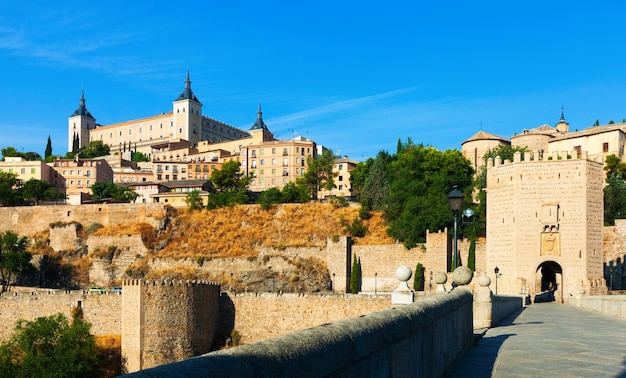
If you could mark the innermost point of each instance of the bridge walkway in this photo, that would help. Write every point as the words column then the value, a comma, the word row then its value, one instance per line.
column 549, row 340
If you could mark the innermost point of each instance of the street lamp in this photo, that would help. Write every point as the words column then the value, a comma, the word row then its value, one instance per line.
column 497, row 272
column 455, row 199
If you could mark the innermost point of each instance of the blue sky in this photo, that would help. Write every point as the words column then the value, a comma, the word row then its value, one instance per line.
column 355, row 76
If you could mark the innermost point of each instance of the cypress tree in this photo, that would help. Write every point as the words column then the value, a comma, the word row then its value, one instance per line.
column 471, row 257
column 48, row 152
column 418, row 281
column 75, row 143
column 354, row 276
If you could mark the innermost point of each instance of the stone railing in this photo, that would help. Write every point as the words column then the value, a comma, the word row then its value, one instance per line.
column 424, row 339
column 614, row 305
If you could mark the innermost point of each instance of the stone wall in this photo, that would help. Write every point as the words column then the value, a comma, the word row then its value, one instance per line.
column 261, row 316
column 423, row 339
column 103, row 311
column 167, row 321
column 108, row 267
column 26, row 220
column 614, row 245
column 614, row 305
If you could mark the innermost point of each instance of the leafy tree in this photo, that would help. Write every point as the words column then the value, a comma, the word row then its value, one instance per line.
column 10, row 189
column 14, row 260
column 597, row 123
column 194, row 201
column 107, row 190
column 614, row 199
column 12, row 152
column 376, row 186
column 270, row 197
column 48, row 151
column 319, row 173
column 421, row 178
column 614, row 166
column 358, row 175
column 355, row 276
column 231, row 186
column 506, row 152
column 611, row 122
column 139, row 157
column 95, row 149
column 9, row 152
column 292, row 193
column 50, row 347
column 38, row 190
column 418, row 280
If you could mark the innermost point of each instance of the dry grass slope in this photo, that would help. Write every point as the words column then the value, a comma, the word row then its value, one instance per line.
column 241, row 230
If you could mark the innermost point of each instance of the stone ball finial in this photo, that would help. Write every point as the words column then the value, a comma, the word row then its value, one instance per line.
column 403, row 273
column 484, row 280
column 440, row 278
column 462, row 275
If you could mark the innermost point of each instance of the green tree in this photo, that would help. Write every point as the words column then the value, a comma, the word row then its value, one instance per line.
column 418, row 280
column 358, row 175
column 319, row 174
column 376, row 186
column 231, row 186
column 38, row 190
column 50, row 347
column 10, row 189
column 194, row 200
column 103, row 190
column 355, row 276
column 614, row 166
column 14, row 260
column 614, row 199
column 12, row 152
column 139, row 157
column 471, row 255
column 270, row 197
column 292, row 193
column 95, row 149
column 48, row 151
column 75, row 144
column 421, row 178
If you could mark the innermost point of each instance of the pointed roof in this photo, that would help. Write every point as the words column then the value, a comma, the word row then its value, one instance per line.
column 259, row 124
column 562, row 120
column 187, row 92
column 482, row 135
column 82, row 109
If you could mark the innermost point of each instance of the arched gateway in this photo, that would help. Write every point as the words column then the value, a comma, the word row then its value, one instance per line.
column 549, row 281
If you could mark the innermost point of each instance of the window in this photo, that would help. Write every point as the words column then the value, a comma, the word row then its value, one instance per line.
column 80, row 172
column 285, row 162
column 262, row 171
column 23, row 171
column 71, row 172
column 262, row 160
column 80, row 183
column 273, row 161
column 262, row 151
column 340, row 178
column 273, row 151
column 89, row 183
column 32, row 171
column 285, row 151
column 253, row 164
column 273, row 171
column 340, row 167
column 605, row 147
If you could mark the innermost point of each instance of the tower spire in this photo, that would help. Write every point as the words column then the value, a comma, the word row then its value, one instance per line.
column 187, row 92
column 562, row 114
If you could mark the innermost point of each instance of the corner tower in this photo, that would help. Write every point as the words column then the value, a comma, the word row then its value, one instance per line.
column 79, row 124
column 187, row 115
column 259, row 131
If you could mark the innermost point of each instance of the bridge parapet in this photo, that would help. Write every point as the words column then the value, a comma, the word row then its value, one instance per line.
column 422, row 339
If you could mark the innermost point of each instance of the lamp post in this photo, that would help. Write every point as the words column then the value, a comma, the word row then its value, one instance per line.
column 496, row 271
column 455, row 199
column 376, row 283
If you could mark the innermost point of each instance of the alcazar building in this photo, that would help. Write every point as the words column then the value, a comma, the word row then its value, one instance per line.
column 185, row 121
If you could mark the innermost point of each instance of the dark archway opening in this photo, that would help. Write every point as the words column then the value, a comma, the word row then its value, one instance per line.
column 549, row 282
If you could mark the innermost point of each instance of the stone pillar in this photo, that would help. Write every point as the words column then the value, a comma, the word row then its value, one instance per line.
column 403, row 294
column 483, row 303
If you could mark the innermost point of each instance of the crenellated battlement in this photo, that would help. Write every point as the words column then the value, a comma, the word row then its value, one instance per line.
column 188, row 283
column 541, row 156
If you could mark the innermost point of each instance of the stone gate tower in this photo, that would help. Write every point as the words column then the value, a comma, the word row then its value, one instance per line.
column 167, row 321
column 544, row 224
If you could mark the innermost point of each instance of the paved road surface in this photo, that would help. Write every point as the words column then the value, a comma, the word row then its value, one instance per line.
column 549, row 340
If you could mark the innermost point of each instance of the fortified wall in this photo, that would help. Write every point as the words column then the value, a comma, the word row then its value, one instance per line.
column 103, row 311
column 544, row 224
column 31, row 219
column 167, row 321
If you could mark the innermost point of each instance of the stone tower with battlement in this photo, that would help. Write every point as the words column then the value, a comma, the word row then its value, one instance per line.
column 544, row 224
column 167, row 321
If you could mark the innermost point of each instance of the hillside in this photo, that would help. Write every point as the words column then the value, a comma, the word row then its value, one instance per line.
column 240, row 232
